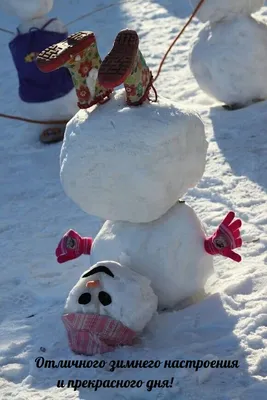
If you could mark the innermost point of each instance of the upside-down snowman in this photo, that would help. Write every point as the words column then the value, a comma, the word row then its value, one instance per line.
column 229, row 56
column 129, row 161
column 108, row 307
column 45, row 97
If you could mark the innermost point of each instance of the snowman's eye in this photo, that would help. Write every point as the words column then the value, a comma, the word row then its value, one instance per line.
column 104, row 298
column 85, row 298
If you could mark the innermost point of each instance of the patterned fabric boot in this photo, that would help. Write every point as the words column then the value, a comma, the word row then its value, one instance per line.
column 126, row 64
column 80, row 55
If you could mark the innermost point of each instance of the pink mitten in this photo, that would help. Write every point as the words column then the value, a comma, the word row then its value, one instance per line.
column 226, row 238
column 72, row 246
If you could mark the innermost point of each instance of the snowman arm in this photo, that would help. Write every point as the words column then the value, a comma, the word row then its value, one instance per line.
column 226, row 238
column 72, row 246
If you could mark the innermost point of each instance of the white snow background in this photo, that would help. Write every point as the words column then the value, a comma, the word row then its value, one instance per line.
column 230, row 324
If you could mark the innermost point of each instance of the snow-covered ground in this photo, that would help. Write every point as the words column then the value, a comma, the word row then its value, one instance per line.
column 231, row 324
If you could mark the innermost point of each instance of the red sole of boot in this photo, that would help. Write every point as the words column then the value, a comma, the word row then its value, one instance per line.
column 119, row 63
column 59, row 54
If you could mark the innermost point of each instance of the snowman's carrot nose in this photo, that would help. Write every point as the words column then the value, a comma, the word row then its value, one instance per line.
column 92, row 284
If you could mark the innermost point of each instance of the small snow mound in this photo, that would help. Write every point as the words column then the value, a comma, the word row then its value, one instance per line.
column 13, row 372
column 256, row 391
column 243, row 286
column 132, row 163
column 255, row 342
column 204, row 374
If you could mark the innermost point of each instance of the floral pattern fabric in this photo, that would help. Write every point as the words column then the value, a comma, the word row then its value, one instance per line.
column 138, row 82
column 79, row 69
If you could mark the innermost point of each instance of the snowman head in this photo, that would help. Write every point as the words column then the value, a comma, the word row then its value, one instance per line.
column 30, row 9
column 216, row 10
column 108, row 307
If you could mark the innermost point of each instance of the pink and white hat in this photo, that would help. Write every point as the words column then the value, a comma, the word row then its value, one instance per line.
column 91, row 334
